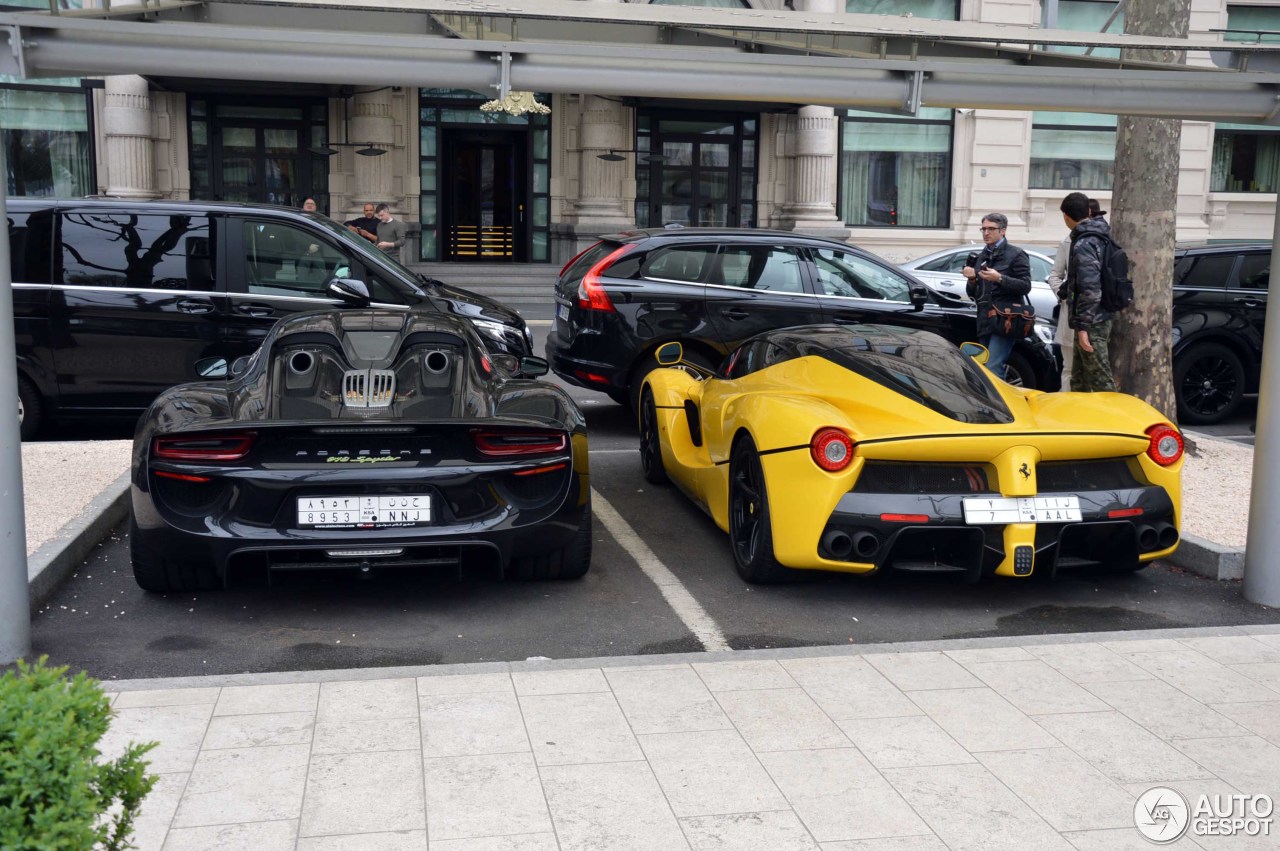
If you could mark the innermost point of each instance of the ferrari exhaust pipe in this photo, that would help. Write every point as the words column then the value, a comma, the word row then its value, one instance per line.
column 1148, row 538
column 436, row 362
column 866, row 544
column 1168, row 535
column 838, row 543
column 301, row 363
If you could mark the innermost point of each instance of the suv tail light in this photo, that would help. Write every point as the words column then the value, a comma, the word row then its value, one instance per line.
column 1166, row 444
column 203, row 447
column 831, row 448
column 566, row 266
column 501, row 444
column 591, row 294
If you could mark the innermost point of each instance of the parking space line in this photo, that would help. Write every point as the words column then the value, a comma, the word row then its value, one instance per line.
column 688, row 609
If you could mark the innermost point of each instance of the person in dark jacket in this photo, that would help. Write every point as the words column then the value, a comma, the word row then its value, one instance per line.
column 1002, row 273
column 1092, row 324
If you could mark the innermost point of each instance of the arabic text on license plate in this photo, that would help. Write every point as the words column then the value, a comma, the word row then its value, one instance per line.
column 409, row 508
column 562, row 312
column 1021, row 509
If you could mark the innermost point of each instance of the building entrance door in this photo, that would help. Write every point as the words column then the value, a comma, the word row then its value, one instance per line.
column 695, row 169
column 484, row 198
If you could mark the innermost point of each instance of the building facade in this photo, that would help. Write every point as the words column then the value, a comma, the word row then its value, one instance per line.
column 533, row 188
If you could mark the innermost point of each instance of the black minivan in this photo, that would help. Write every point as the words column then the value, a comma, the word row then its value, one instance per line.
column 115, row 301
column 713, row 288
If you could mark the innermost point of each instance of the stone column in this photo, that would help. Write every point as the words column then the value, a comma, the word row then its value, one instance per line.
column 372, row 123
column 601, row 129
column 127, row 131
column 811, row 187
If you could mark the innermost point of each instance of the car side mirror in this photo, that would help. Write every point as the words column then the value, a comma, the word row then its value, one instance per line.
column 976, row 351
column 350, row 291
column 919, row 297
column 212, row 368
column 532, row 366
column 509, row 364
column 669, row 354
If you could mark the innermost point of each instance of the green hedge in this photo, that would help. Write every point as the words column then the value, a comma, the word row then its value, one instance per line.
column 56, row 792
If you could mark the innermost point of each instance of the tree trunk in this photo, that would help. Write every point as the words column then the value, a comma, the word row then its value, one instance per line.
column 1143, row 219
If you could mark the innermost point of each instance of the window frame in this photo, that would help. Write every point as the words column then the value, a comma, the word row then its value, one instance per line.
column 947, row 186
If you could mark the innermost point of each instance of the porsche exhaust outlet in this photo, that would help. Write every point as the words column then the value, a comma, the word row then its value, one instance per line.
column 436, row 362
column 301, row 363
column 866, row 545
column 1168, row 535
column 1148, row 538
column 838, row 544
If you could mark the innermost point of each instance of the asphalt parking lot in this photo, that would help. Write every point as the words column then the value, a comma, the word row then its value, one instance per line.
column 101, row 621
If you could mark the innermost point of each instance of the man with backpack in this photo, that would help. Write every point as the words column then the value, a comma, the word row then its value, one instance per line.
column 1093, row 259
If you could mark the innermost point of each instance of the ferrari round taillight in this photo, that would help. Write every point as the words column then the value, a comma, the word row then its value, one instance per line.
column 1166, row 444
column 832, row 450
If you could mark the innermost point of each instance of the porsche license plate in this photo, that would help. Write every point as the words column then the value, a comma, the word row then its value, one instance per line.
column 410, row 509
column 984, row 511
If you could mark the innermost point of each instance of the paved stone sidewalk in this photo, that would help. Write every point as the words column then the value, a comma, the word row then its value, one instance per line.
column 1032, row 743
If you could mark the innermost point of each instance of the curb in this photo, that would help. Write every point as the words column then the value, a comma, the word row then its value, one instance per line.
column 1206, row 558
column 54, row 562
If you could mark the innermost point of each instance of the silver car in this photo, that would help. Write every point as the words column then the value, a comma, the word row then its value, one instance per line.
column 940, row 271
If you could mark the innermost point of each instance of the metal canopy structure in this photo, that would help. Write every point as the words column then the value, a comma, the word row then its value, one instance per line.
column 639, row 50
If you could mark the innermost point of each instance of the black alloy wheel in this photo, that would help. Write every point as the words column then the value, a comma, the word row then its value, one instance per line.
column 1209, row 382
column 750, row 530
column 650, row 441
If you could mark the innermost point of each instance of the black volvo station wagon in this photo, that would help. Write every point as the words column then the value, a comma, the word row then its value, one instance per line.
column 115, row 301
column 711, row 289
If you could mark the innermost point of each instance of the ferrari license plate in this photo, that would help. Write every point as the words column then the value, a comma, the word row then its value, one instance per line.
column 410, row 509
column 984, row 511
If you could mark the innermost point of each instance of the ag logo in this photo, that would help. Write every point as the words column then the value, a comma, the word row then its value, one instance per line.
column 1161, row 814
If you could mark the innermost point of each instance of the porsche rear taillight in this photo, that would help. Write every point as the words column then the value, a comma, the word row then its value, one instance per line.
column 505, row 444
column 591, row 292
column 204, row 447
column 1166, row 444
column 832, row 450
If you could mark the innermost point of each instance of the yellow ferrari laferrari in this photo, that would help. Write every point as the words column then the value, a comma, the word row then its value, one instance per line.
column 863, row 447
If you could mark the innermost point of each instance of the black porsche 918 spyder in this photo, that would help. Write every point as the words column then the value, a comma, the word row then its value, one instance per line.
column 361, row 439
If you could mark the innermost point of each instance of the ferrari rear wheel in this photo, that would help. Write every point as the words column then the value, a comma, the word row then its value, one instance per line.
column 650, row 442
column 750, row 532
column 569, row 562
column 153, row 572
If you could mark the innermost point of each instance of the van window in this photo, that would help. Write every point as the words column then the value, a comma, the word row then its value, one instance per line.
column 1255, row 271
column 163, row 252
column 845, row 274
column 678, row 262
column 1204, row 272
column 283, row 259
column 30, row 240
column 767, row 268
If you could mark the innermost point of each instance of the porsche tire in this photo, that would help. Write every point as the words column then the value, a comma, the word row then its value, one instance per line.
column 1208, row 381
column 750, row 529
column 30, row 409
column 569, row 562
column 154, row 572
column 650, row 442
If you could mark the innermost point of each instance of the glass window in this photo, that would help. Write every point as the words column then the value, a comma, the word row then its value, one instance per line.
column 46, row 141
column 172, row 252
column 1246, row 157
column 1040, row 268
column 281, row 259
column 896, row 172
column 1089, row 16
column 1255, row 271
column 1251, row 20
column 761, row 267
column 678, row 263
column 1209, row 271
column 845, row 274
column 952, row 262
column 30, row 241
column 943, row 10
column 1072, row 150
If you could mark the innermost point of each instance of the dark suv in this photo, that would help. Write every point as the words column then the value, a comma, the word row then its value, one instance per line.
column 115, row 301
column 1219, row 307
column 711, row 289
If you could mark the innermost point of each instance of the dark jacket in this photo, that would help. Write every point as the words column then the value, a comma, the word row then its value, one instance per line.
column 1015, row 282
column 1084, row 273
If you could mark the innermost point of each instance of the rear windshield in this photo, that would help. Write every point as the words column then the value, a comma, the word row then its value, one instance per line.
column 572, row 276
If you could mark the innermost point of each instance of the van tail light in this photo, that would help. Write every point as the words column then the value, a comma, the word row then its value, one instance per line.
column 832, row 450
column 591, row 293
column 1166, row 444
column 203, row 447
column 504, row 444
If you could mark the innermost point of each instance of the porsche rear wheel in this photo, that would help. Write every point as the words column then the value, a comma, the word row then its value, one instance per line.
column 153, row 572
column 569, row 562
column 650, row 442
column 750, row 532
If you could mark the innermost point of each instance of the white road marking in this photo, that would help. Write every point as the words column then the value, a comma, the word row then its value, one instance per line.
column 634, row 449
column 688, row 609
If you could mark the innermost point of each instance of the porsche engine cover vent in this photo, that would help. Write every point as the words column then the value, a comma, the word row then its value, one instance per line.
column 368, row 388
